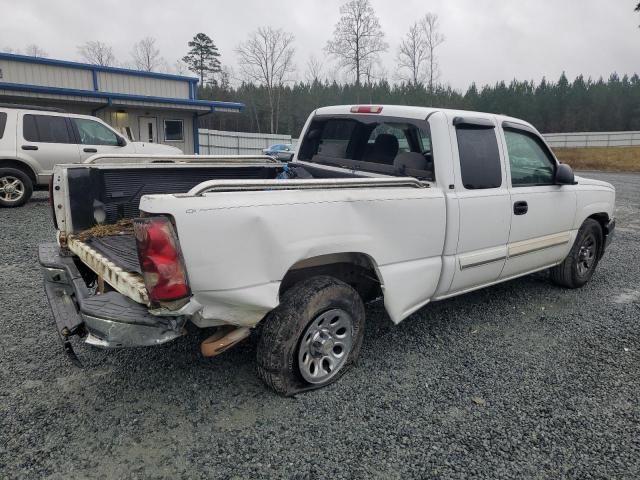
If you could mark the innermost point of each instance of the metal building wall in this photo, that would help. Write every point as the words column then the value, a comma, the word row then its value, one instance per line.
column 217, row 142
column 45, row 75
column 134, row 85
column 82, row 78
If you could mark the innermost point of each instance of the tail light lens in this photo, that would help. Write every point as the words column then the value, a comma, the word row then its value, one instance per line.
column 160, row 259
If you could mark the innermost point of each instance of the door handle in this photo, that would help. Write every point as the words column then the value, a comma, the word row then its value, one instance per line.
column 29, row 147
column 91, row 150
column 520, row 208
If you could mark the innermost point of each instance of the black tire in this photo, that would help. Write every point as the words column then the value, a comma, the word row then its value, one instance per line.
column 577, row 269
column 20, row 185
column 282, row 333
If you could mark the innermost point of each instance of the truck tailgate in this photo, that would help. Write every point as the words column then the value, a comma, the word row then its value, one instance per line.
column 115, row 260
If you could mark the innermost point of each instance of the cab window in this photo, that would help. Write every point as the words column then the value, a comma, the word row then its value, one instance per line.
column 376, row 144
column 479, row 157
column 531, row 163
column 94, row 133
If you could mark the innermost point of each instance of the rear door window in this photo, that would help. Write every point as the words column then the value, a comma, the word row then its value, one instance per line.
column 46, row 129
column 479, row 157
column 3, row 123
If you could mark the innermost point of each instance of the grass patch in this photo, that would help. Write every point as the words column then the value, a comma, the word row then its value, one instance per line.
column 613, row 159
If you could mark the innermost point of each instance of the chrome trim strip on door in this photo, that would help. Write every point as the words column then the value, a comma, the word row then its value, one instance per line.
column 529, row 246
column 479, row 263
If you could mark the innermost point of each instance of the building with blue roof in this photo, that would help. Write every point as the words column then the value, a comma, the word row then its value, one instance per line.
column 144, row 106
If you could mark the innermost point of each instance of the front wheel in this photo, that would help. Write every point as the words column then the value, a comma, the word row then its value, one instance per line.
column 577, row 269
column 15, row 187
column 312, row 338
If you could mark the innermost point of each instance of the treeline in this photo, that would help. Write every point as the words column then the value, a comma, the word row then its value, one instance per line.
column 552, row 106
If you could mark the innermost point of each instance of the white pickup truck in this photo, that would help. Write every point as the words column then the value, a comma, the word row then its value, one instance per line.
column 406, row 204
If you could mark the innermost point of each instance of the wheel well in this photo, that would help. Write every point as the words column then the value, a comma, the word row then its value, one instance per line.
column 355, row 269
column 603, row 219
column 20, row 166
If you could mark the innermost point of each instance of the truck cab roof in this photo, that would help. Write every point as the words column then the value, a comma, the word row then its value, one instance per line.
column 417, row 113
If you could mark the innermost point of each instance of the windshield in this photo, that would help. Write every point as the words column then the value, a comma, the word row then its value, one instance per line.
column 387, row 145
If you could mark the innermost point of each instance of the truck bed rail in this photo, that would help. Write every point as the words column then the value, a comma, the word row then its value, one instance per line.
column 324, row 183
column 144, row 158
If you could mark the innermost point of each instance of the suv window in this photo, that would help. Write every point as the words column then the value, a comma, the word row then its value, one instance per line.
column 479, row 157
column 46, row 129
column 531, row 163
column 376, row 144
column 3, row 123
column 94, row 133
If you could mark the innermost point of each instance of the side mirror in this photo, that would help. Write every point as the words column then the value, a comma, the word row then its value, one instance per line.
column 121, row 141
column 564, row 175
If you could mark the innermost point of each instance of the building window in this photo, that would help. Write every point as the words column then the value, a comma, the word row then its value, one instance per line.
column 173, row 131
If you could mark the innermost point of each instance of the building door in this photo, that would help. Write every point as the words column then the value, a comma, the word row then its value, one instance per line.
column 148, row 129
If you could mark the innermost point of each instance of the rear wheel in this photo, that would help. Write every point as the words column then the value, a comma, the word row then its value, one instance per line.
column 577, row 269
column 312, row 338
column 15, row 187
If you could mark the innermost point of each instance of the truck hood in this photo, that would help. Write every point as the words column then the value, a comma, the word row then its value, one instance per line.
column 155, row 148
column 593, row 182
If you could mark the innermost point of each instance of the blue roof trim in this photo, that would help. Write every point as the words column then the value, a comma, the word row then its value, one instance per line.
column 120, row 96
column 95, row 68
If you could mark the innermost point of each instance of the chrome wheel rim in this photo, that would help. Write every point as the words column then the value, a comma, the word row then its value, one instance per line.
column 587, row 254
column 11, row 188
column 325, row 346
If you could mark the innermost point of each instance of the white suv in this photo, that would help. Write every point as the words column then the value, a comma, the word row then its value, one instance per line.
column 34, row 140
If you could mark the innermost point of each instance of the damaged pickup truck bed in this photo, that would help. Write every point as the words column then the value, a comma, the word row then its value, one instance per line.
column 406, row 204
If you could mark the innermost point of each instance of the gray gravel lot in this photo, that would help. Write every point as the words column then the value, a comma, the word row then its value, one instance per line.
column 519, row 380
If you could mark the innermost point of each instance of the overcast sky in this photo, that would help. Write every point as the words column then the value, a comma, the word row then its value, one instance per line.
column 486, row 40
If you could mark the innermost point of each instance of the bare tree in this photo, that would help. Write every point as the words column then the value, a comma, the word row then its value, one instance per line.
column 313, row 73
column 97, row 53
column 358, row 38
column 433, row 39
column 8, row 49
column 266, row 58
column 35, row 51
column 146, row 56
column 413, row 55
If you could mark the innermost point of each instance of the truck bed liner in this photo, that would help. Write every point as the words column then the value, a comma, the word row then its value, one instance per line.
column 120, row 249
column 115, row 261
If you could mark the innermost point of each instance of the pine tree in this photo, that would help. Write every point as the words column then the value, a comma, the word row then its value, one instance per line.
column 202, row 58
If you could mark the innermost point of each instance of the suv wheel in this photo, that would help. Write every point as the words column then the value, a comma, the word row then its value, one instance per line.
column 15, row 187
column 312, row 338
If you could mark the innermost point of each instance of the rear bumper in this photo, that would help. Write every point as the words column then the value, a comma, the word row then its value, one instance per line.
column 107, row 320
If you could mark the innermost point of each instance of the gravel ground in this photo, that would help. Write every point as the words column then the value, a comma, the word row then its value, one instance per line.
column 519, row 380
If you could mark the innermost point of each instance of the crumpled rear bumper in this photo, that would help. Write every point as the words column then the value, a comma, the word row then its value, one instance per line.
column 107, row 320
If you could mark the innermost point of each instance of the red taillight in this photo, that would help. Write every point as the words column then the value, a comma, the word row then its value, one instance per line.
column 162, row 267
column 366, row 109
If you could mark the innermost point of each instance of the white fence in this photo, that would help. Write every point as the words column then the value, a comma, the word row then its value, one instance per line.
column 593, row 139
column 218, row 142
